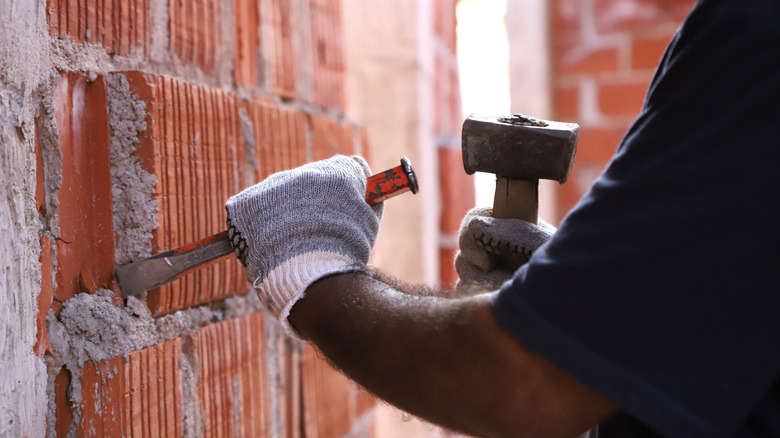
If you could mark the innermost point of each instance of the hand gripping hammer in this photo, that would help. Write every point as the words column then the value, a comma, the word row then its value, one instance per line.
column 520, row 151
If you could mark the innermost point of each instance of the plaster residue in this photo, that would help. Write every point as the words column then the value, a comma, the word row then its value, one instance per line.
column 250, row 151
column 240, row 305
column 49, row 138
column 24, row 75
column 91, row 59
column 93, row 327
column 132, row 188
column 183, row 322
column 192, row 423
column 272, row 338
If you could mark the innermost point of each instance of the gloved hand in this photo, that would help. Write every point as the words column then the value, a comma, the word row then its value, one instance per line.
column 298, row 226
column 483, row 237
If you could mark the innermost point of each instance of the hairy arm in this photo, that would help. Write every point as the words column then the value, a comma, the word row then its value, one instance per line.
column 446, row 360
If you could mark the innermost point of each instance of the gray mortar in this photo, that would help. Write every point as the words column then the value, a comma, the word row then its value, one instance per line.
column 193, row 425
column 250, row 151
column 272, row 331
column 240, row 305
column 92, row 327
column 132, row 188
column 224, row 62
column 158, row 49
column 91, row 59
column 52, row 162
column 186, row 321
column 238, row 408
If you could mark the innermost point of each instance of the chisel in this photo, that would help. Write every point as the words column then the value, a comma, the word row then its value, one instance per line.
column 144, row 275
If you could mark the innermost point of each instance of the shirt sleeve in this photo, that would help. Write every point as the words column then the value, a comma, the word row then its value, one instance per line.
column 660, row 288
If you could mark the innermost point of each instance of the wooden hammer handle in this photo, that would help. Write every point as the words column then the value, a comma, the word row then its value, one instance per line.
column 516, row 199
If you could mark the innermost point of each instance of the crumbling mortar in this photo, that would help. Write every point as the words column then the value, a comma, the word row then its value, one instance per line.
column 250, row 150
column 48, row 136
column 193, row 425
column 132, row 188
column 94, row 328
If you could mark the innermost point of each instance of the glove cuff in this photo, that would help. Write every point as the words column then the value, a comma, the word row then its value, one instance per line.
column 287, row 283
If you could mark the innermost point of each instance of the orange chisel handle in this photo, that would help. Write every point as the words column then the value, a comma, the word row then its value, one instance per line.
column 391, row 182
column 138, row 277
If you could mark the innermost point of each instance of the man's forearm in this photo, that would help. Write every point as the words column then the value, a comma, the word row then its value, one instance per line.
column 444, row 360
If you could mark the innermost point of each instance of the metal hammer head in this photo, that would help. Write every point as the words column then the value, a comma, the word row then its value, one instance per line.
column 519, row 147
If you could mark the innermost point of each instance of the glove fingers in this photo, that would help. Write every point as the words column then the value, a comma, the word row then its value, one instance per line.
column 471, row 249
column 472, row 275
column 509, row 236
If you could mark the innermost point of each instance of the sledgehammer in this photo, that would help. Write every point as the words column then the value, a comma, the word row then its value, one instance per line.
column 520, row 151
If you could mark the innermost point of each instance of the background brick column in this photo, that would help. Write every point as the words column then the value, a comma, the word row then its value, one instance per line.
column 604, row 54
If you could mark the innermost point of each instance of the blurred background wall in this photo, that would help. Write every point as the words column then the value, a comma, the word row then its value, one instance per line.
column 582, row 61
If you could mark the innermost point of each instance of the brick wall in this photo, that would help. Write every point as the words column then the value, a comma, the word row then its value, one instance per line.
column 157, row 112
column 604, row 54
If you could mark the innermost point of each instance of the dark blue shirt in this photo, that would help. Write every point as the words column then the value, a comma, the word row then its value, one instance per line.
column 660, row 289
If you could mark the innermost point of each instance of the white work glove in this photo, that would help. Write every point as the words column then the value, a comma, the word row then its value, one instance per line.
column 301, row 225
column 483, row 237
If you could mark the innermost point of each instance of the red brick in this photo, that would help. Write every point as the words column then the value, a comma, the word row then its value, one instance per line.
column 580, row 180
column 280, row 136
column 120, row 26
column 578, row 58
column 626, row 15
column 326, row 397
column 284, row 57
column 196, row 32
column 567, row 197
column 444, row 23
column 646, row 53
column 64, row 411
column 454, row 103
column 246, row 15
column 136, row 395
column 566, row 16
column 85, row 245
column 438, row 95
column 363, row 148
column 45, row 297
column 232, row 369
column 330, row 137
column 194, row 145
column 456, row 188
column 678, row 9
column 566, row 101
column 328, row 53
column 622, row 98
column 597, row 145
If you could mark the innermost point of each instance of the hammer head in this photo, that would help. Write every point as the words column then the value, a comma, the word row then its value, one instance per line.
column 519, row 147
